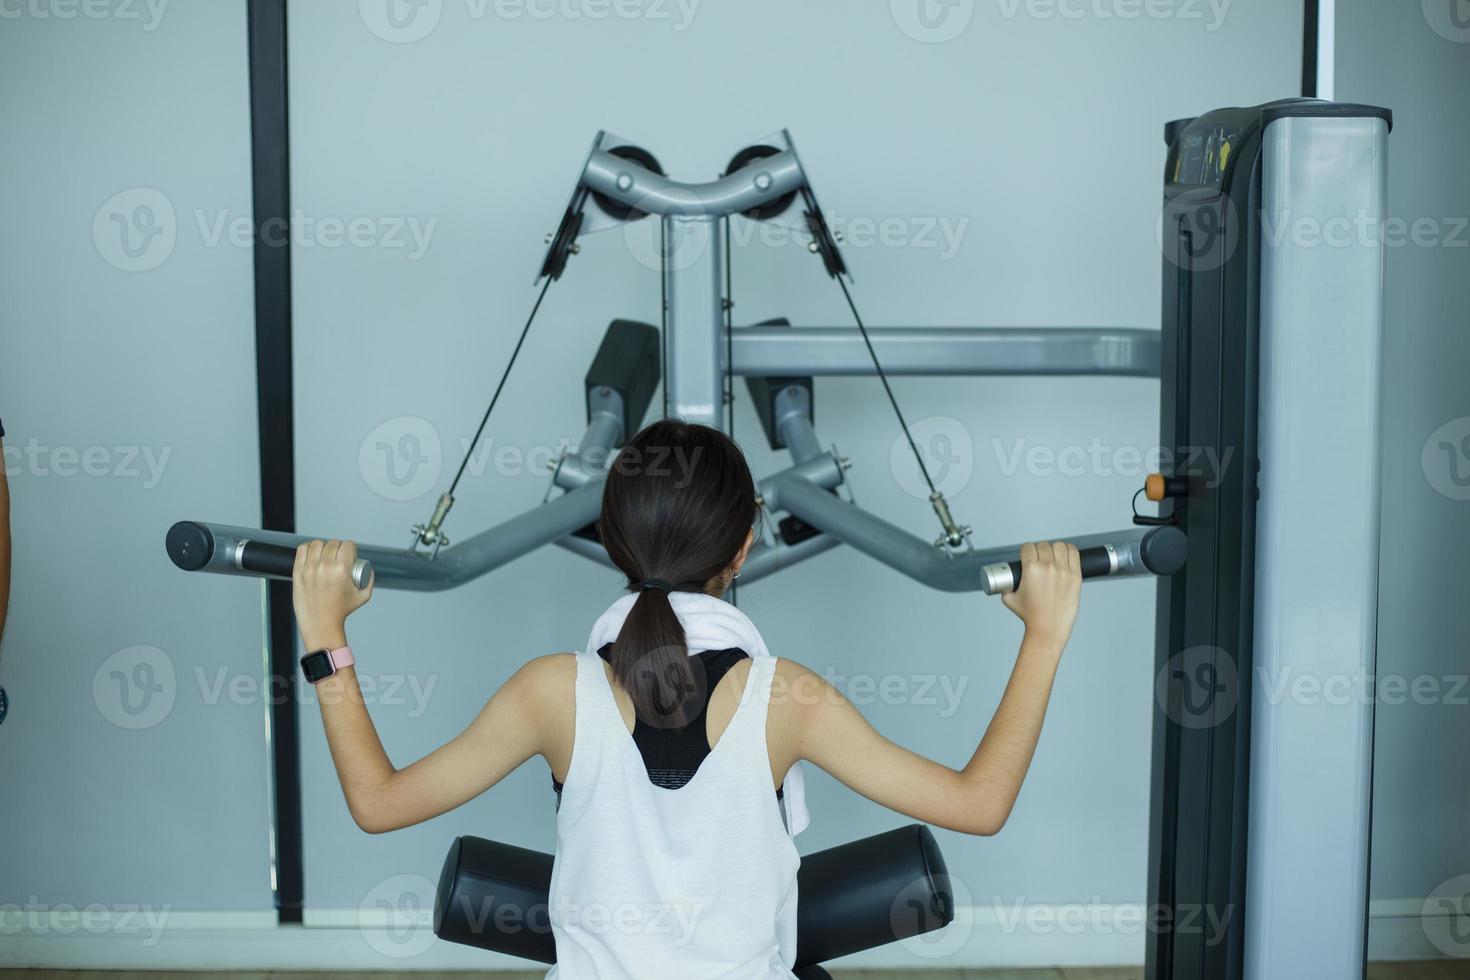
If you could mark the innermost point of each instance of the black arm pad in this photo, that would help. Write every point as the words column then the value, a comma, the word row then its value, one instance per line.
column 874, row 891
column 869, row 893
column 495, row 896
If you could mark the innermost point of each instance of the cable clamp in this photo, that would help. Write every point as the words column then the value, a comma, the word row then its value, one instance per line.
column 431, row 535
column 955, row 535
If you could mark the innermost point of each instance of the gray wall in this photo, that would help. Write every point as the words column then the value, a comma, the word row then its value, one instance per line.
column 127, row 389
column 1415, row 62
column 1040, row 138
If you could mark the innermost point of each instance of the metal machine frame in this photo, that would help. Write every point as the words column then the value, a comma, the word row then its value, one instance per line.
column 1260, row 802
column 1268, row 349
column 620, row 182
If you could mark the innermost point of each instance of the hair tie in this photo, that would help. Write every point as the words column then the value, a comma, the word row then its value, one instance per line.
column 655, row 583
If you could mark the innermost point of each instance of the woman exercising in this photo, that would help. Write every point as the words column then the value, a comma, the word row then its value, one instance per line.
column 672, row 738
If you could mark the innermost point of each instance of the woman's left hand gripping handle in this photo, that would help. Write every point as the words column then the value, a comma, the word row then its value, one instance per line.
column 323, row 593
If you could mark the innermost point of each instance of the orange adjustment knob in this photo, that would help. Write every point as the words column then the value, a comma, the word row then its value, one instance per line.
column 1157, row 486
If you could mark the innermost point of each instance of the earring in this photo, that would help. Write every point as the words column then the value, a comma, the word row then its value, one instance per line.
column 737, row 574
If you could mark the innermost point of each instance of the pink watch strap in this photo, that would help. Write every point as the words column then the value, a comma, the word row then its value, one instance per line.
column 341, row 657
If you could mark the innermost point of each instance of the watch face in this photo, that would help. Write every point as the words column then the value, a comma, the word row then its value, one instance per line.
column 317, row 666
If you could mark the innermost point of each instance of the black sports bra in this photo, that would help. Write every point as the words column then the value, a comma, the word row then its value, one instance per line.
column 672, row 756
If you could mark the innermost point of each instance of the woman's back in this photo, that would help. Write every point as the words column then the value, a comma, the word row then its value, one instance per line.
column 664, row 873
column 691, row 873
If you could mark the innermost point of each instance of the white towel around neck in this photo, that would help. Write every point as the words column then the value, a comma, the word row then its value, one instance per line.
column 710, row 624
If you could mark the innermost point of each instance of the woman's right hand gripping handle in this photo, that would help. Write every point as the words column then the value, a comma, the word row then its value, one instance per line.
column 978, row 798
column 1050, row 590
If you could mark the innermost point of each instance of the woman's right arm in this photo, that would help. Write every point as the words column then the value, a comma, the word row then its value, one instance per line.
column 823, row 727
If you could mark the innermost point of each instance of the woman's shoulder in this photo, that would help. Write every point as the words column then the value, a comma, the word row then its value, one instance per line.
column 552, row 666
column 545, row 678
column 792, row 673
column 795, row 688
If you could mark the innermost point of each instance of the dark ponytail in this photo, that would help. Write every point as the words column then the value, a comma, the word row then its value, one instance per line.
column 676, row 509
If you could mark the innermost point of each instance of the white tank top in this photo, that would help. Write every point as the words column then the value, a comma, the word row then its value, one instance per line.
column 694, row 883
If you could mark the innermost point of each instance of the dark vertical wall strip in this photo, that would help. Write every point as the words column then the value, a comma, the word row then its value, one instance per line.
column 270, row 151
column 1309, row 49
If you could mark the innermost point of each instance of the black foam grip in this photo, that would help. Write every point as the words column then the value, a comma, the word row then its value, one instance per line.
column 1094, row 561
column 873, row 891
column 268, row 559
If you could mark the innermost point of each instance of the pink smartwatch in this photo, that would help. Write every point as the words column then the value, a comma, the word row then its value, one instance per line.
column 320, row 665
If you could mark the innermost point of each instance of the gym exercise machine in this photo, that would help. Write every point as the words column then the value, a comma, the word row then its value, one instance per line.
column 1268, row 358
column 1272, row 326
column 865, row 894
column 697, row 352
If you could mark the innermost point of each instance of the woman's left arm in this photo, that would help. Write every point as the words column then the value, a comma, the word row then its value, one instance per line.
column 507, row 732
